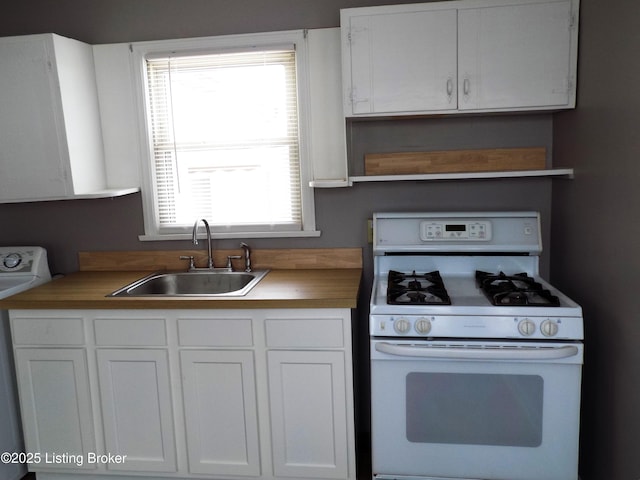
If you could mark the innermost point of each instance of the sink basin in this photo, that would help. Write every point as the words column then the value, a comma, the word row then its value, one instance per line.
column 199, row 283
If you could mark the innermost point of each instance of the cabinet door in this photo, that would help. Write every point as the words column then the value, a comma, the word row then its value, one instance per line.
column 56, row 405
column 516, row 56
column 10, row 431
column 401, row 62
column 308, row 414
column 221, row 412
column 32, row 164
column 328, row 147
column 137, row 409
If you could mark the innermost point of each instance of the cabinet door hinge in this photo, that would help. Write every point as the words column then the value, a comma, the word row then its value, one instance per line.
column 352, row 96
column 353, row 32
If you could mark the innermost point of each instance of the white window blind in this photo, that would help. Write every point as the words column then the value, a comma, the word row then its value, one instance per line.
column 225, row 142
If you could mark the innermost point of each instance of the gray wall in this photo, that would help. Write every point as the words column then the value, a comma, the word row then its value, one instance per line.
column 595, row 232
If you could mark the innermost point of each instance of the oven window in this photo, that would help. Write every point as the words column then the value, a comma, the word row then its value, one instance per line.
column 474, row 409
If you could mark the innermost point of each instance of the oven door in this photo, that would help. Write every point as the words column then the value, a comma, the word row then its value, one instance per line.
column 475, row 410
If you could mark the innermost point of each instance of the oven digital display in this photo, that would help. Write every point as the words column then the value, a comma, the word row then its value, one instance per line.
column 455, row 228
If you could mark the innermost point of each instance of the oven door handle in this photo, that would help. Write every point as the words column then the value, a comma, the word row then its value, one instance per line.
column 473, row 352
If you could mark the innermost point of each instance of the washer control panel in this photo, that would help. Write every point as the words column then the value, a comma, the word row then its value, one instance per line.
column 22, row 260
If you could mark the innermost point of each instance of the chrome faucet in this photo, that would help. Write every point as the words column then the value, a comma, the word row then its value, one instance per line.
column 247, row 256
column 194, row 238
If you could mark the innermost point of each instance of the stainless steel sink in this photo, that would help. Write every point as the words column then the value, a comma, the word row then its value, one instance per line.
column 196, row 283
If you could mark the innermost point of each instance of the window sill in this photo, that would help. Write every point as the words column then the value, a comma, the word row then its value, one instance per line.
column 239, row 235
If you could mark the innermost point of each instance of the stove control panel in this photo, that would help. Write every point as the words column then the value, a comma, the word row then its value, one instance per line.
column 463, row 326
column 475, row 230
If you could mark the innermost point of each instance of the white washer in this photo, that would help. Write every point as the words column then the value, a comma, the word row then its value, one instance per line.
column 21, row 268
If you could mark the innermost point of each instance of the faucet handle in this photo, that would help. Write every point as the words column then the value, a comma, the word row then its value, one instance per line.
column 229, row 264
column 192, row 264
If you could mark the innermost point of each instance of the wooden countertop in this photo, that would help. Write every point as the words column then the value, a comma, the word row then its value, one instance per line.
column 294, row 288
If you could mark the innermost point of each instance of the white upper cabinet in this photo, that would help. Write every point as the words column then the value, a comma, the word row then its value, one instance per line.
column 400, row 62
column 459, row 56
column 50, row 128
column 517, row 56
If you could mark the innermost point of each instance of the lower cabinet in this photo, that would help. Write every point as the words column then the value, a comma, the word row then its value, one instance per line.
column 55, row 401
column 221, row 412
column 308, row 421
column 186, row 393
column 137, row 414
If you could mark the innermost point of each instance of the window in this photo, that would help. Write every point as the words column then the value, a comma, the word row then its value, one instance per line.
column 226, row 135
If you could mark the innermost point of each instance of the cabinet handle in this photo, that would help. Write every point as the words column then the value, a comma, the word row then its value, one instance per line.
column 466, row 86
column 449, row 87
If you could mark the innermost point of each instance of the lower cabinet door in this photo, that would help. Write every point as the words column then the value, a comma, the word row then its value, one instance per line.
column 135, row 392
column 221, row 412
column 56, row 407
column 308, row 414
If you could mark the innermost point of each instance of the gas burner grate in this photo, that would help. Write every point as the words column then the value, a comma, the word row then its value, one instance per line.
column 416, row 289
column 517, row 289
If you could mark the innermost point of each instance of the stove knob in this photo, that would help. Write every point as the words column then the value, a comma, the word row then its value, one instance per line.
column 526, row 327
column 12, row 260
column 401, row 325
column 549, row 328
column 423, row 326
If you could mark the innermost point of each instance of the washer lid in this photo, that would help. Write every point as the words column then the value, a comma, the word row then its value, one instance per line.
column 11, row 286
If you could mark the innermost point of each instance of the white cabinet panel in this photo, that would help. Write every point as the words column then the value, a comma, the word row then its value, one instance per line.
column 215, row 332
column 137, row 410
column 121, row 332
column 49, row 119
column 308, row 414
column 56, row 405
column 11, row 438
column 118, row 113
column 515, row 56
column 304, row 332
column 221, row 412
column 31, row 160
column 327, row 135
column 47, row 331
column 402, row 62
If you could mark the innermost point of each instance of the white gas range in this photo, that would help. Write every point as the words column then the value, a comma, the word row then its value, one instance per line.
column 475, row 360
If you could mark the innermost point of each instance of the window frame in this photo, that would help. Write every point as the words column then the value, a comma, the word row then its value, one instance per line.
column 222, row 44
